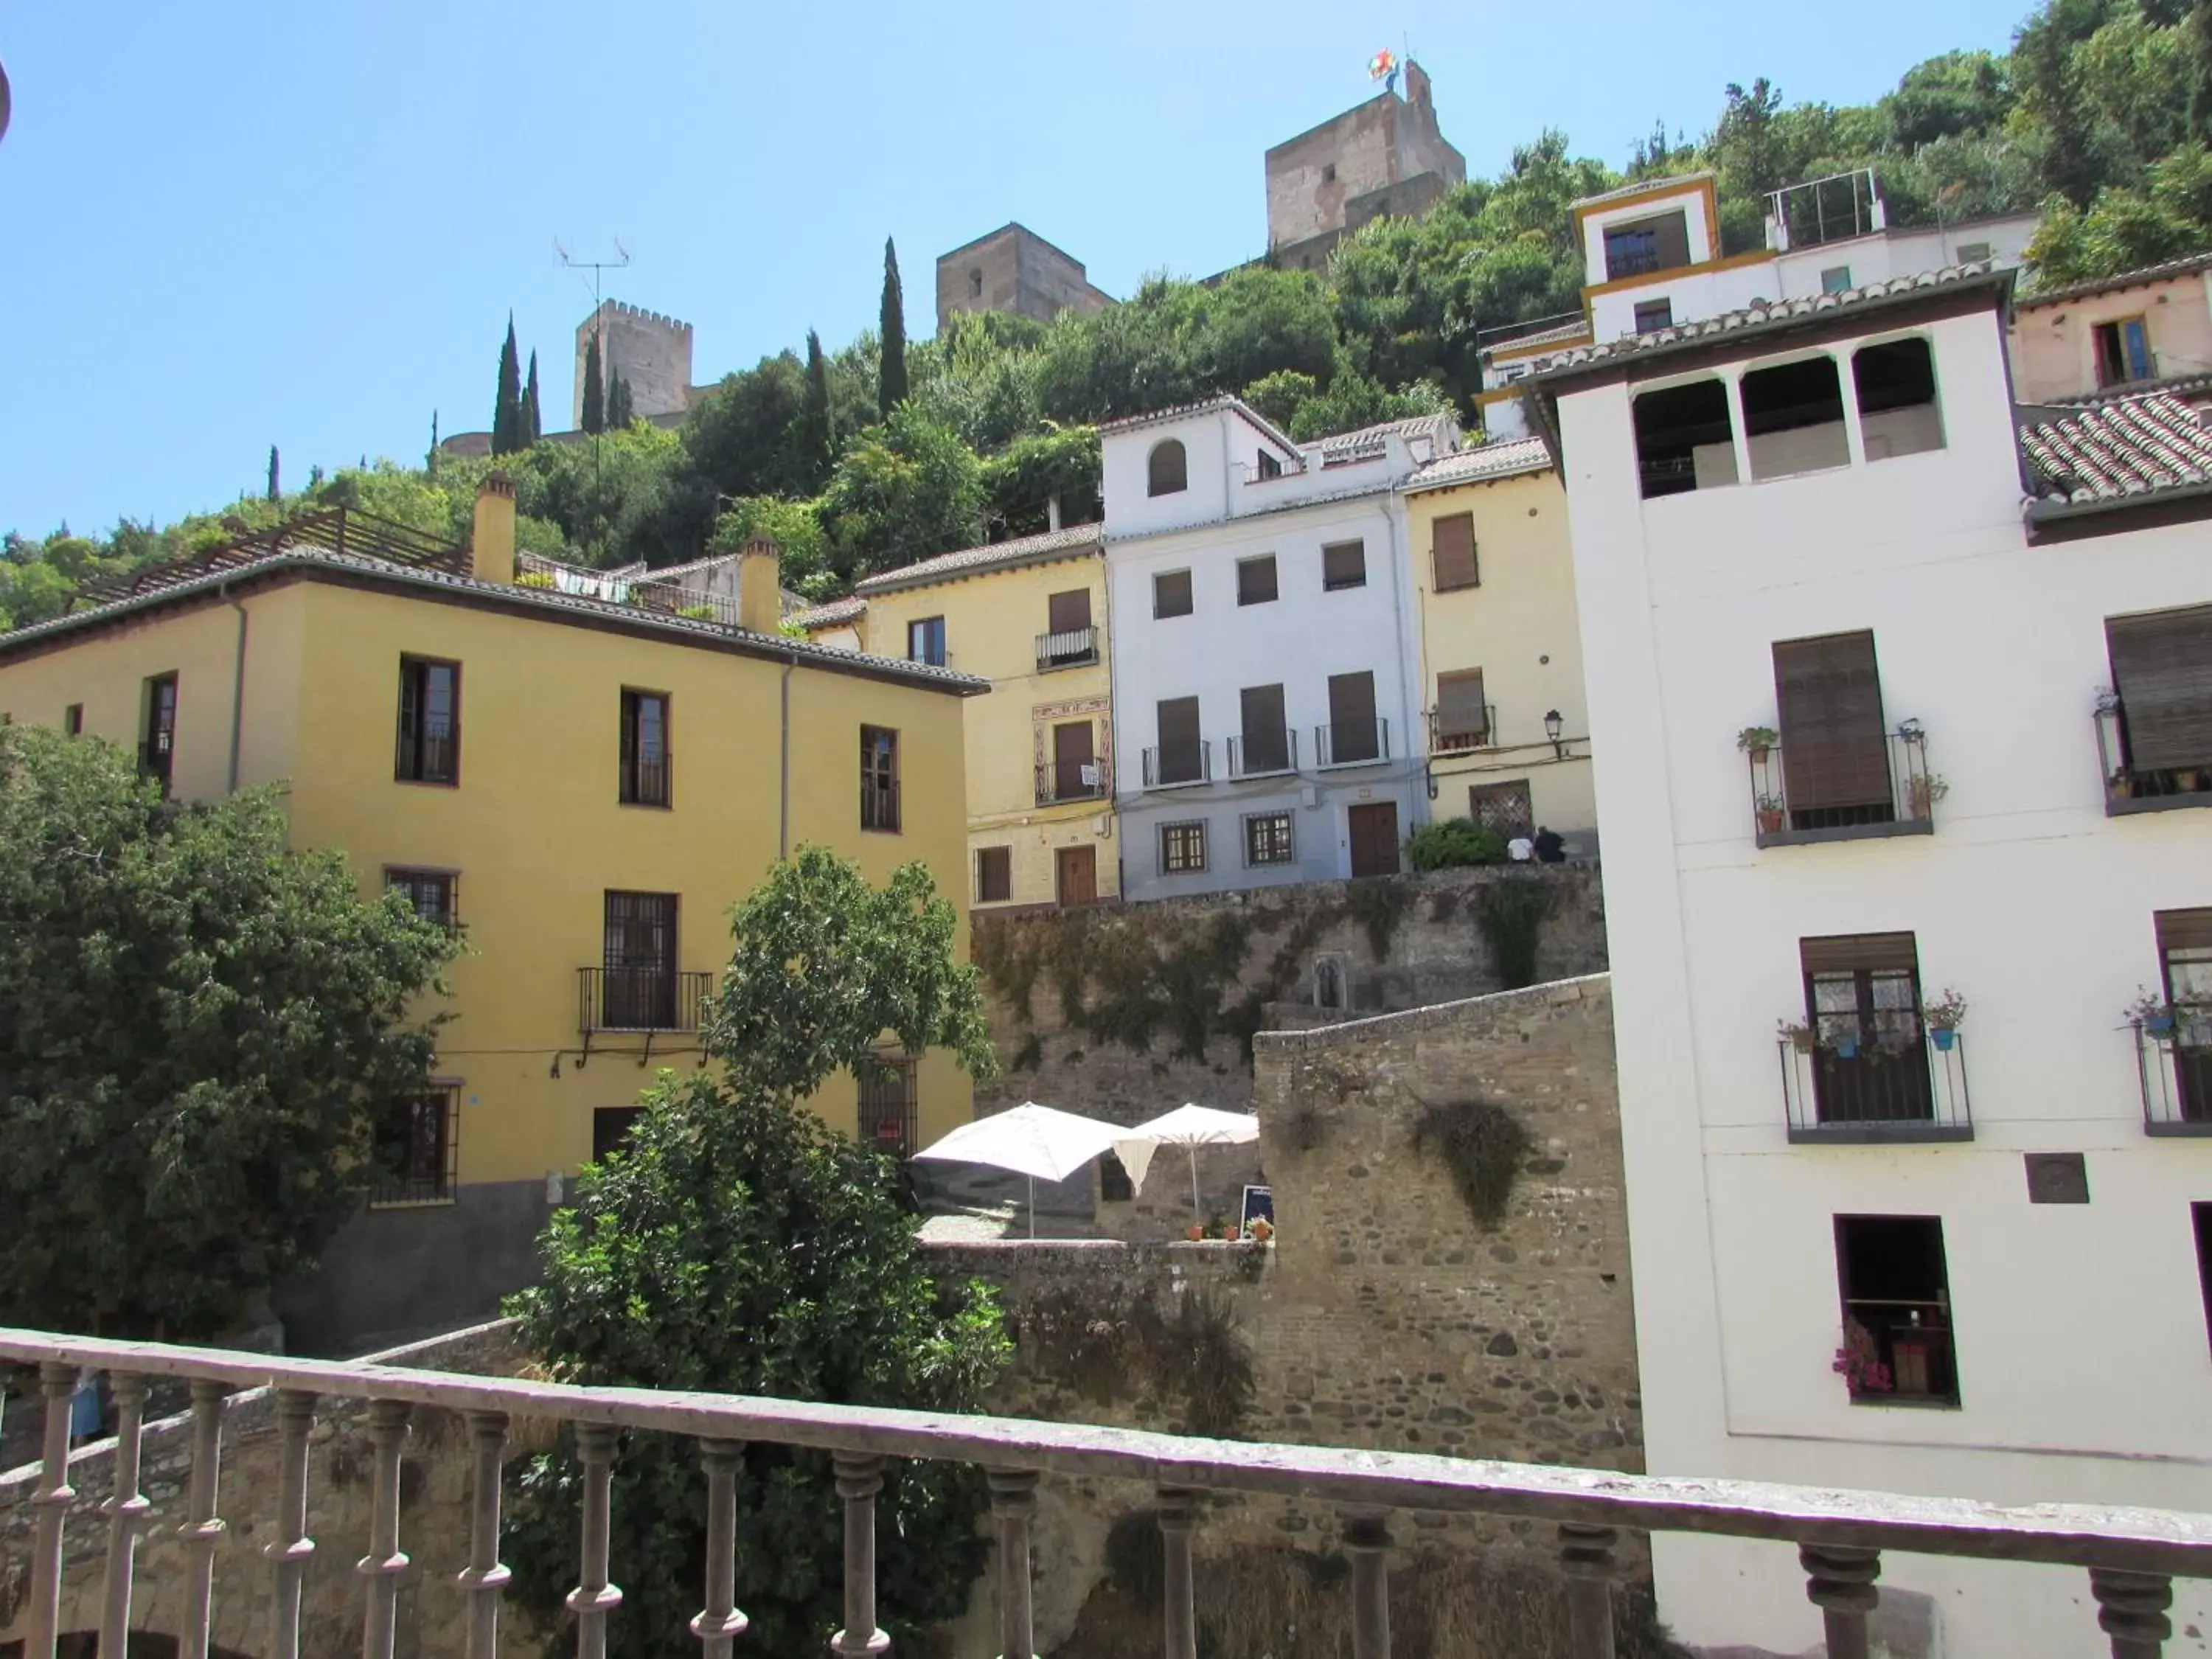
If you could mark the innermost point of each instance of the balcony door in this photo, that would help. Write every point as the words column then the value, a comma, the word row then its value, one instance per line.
column 1862, row 1002
column 638, row 984
column 1074, row 761
column 2184, row 950
column 1835, row 754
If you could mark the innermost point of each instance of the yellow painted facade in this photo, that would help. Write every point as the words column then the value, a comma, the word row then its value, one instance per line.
column 1024, row 740
column 533, row 831
column 1518, row 627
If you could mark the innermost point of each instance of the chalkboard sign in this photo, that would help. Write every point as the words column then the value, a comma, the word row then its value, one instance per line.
column 1259, row 1204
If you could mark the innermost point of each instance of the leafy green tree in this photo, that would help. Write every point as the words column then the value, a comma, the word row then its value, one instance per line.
column 595, row 390
column 747, row 436
column 527, row 431
column 506, row 408
column 734, row 1243
column 890, row 374
column 1022, row 479
column 818, row 435
column 195, row 1026
column 796, row 529
column 2127, row 229
column 1353, row 401
column 905, row 490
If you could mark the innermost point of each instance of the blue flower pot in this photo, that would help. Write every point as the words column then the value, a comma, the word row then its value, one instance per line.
column 1847, row 1048
column 1944, row 1037
column 2160, row 1024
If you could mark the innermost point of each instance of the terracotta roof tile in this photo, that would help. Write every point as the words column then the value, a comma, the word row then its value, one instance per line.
column 1236, row 406
column 2118, row 451
column 1342, row 446
column 834, row 614
column 1071, row 543
column 1505, row 459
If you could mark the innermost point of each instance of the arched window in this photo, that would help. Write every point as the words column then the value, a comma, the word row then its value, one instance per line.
column 1169, row 471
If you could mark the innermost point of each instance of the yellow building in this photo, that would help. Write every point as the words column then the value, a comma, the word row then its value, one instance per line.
column 1027, row 616
column 1500, row 645
column 584, row 786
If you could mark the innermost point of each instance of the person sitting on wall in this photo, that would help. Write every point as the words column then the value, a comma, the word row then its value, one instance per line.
column 1550, row 849
column 1520, row 849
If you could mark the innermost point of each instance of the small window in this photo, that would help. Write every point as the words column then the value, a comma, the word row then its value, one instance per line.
column 1685, row 440
column 1502, row 807
column 415, row 1145
column 429, row 722
column 995, row 874
column 645, row 765
column 610, row 1126
column 1270, row 467
column 157, row 743
column 1167, row 471
column 1182, row 847
column 1641, row 246
column 975, row 283
column 1069, row 612
column 432, row 894
column 1895, row 383
column 1652, row 315
column 2124, row 351
column 924, row 641
column 1329, row 173
column 2200, row 1216
column 879, row 778
column 73, row 720
column 1973, row 253
column 1343, row 564
column 1255, row 580
column 890, row 1112
column 1836, row 279
column 1115, row 1186
column 1793, row 418
column 1463, row 720
column 1897, row 1344
column 1452, row 552
column 1267, row 838
column 1171, row 594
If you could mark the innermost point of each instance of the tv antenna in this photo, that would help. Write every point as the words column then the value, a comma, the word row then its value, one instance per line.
column 598, row 268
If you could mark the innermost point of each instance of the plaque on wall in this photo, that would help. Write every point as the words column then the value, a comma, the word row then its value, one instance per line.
column 2057, row 1178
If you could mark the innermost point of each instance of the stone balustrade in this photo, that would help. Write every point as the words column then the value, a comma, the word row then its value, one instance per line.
column 2130, row 1555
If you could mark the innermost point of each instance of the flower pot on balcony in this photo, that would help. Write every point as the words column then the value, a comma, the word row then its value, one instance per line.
column 1847, row 1048
column 1195, row 1233
column 1944, row 1037
column 1769, row 820
column 2159, row 1026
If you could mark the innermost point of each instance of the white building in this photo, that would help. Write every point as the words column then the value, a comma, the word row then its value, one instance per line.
column 1988, row 677
column 1258, row 591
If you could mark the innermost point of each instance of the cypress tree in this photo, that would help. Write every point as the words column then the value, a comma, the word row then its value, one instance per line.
column 595, row 391
column 430, row 457
column 528, row 428
column 890, row 380
column 620, row 409
column 276, row 491
column 816, row 437
column 508, row 409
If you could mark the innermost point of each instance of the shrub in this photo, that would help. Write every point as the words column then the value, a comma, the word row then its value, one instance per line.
column 1454, row 844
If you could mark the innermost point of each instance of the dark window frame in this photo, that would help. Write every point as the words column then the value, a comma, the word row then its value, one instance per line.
column 1878, row 389
column 157, row 744
column 424, row 1130
column 418, row 884
column 1341, row 581
column 645, row 779
column 880, row 780
column 1782, row 398
column 1182, row 848
column 924, row 641
column 1652, row 315
column 421, row 756
column 986, row 859
column 73, row 720
column 610, row 1126
column 1887, row 1318
column 640, row 988
column 1167, row 468
column 1671, row 424
column 1248, row 582
column 1164, row 586
column 1270, row 839
column 889, row 1093
column 1444, row 547
column 2200, row 1216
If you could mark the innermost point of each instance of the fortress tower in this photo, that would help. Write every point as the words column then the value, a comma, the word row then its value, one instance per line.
column 1384, row 156
column 651, row 351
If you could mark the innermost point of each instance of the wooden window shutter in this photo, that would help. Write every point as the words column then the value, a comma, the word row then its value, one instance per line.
column 1459, row 704
column 1262, row 709
column 1070, row 612
column 1352, row 701
column 1834, row 752
column 1847, row 953
column 2162, row 669
column 1178, row 721
column 1451, row 549
column 1171, row 594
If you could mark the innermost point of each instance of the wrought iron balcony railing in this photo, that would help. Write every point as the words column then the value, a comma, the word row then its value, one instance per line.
column 879, row 806
column 2131, row 1555
column 1847, row 793
column 1185, row 761
column 1076, row 647
column 1359, row 743
column 1261, row 754
column 644, row 782
column 1887, row 1079
column 1068, row 779
column 640, row 1000
column 2132, row 789
column 1450, row 734
column 2173, row 1062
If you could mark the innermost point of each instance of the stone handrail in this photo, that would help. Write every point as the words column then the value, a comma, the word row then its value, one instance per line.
column 2131, row 1554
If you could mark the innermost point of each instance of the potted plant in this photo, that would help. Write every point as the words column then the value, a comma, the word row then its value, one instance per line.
column 1771, row 813
column 1859, row 1362
column 1261, row 1231
column 2151, row 1013
column 1756, row 740
column 1846, row 1044
column 1195, row 1233
column 1230, row 1232
column 1942, row 1017
column 1925, row 789
column 1798, row 1035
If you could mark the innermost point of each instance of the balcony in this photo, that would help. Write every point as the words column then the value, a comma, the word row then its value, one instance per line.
column 879, row 806
column 1589, row 1521
column 1076, row 648
column 1185, row 761
column 157, row 757
column 1861, row 796
column 2174, row 1063
column 640, row 1000
column 2132, row 788
column 1073, row 779
column 1263, row 754
column 1455, row 733
column 1361, row 742
column 1885, row 1079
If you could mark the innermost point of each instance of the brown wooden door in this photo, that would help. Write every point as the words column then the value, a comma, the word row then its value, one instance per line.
column 1072, row 756
column 1375, row 839
column 1075, row 875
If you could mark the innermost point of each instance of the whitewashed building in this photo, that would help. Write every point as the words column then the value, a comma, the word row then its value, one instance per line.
column 1901, row 699
column 1264, row 684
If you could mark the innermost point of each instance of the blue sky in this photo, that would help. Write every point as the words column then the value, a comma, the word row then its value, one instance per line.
column 225, row 226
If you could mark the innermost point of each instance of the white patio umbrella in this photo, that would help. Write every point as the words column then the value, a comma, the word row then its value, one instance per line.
column 1029, row 1139
column 1190, row 1125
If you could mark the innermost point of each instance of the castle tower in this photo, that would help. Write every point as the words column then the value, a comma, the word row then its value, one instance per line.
column 1384, row 156
column 651, row 351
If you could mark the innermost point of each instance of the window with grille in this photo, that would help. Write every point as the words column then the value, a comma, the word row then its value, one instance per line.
column 1182, row 847
column 1171, row 594
column 1898, row 1337
column 415, row 1145
column 429, row 722
column 1343, row 564
column 995, row 874
column 1502, row 807
column 645, row 777
column 157, row 748
column 1255, row 580
column 1835, row 753
column 1452, row 554
column 638, row 983
column 924, row 641
column 1270, row 465
column 1268, row 839
column 1167, row 470
column 431, row 894
column 889, row 1112
column 879, row 778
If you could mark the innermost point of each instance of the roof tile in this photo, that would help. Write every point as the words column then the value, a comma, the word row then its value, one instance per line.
column 1503, row 459
column 992, row 555
column 2116, row 450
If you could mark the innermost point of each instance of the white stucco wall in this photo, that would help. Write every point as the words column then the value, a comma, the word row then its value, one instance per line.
column 2085, row 1368
column 1693, row 293
column 1690, row 201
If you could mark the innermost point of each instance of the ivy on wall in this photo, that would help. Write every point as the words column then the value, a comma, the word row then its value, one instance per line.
column 1118, row 1341
column 1484, row 1147
column 1510, row 915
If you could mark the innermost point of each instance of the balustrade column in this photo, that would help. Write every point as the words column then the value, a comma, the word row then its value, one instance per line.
column 201, row 1532
column 1178, row 1515
column 57, row 1384
column 594, row 1598
column 125, row 1509
column 1839, row 1581
column 1368, row 1538
column 1013, row 1501
column 382, row 1565
column 1586, row 1559
column 2131, row 1610
column 288, row 1554
column 859, row 1479
column 719, row 1623
column 485, row 1576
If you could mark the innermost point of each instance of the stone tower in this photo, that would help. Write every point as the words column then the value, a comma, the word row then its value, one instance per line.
column 652, row 352
column 1384, row 156
column 1013, row 268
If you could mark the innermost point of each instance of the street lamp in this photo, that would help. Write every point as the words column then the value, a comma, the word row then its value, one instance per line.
column 1553, row 725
